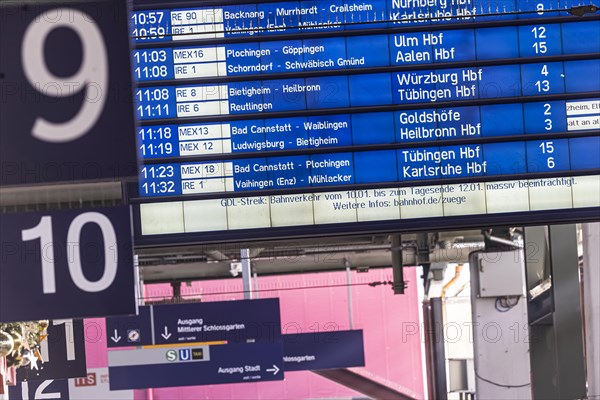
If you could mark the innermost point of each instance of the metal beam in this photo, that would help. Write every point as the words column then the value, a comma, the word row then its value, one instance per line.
column 363, row 385
column 302, row 263
column 398, row 284
column 433, row 316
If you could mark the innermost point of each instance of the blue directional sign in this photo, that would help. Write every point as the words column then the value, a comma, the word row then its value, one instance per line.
column 222, row 321
column 195, row 364
column 231, row 321
column 480, row 101
column 70, row 263
column 323, row 350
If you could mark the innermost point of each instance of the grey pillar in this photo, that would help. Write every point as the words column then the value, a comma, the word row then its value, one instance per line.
column 591, row 284
column 349, row 291
column 568, row 322
column 246, row 273
column 556, row 341
column 541, row 332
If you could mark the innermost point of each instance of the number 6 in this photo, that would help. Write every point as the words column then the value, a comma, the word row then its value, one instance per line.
column 93, row 72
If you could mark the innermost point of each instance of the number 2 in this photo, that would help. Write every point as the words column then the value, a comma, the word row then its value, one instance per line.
column 92, row 75
column 547, row 108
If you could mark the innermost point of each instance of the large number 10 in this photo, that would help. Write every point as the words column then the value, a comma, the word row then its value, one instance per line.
column 43, row 232
column 92, row 75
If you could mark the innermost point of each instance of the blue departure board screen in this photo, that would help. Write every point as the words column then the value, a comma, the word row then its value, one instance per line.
column 381, row 89
column 312, row 113
column 339, row 53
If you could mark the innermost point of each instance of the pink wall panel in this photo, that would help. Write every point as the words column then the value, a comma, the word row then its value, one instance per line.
column 392, row 358
column 95, row 343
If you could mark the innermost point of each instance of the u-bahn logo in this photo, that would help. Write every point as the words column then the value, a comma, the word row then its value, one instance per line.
column 185, row 354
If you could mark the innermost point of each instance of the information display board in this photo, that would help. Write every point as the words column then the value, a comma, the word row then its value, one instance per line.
column 305, row 114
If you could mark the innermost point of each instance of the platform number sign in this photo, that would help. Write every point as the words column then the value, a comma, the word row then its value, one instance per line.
column 65, row 88
column 63, row 353
column 92, row 77
column 40, row 390
column 66, row 264
column 42, row 233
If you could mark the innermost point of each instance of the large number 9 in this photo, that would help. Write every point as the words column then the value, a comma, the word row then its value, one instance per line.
column 92, row 75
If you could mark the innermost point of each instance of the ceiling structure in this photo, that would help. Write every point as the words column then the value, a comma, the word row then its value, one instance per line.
column 307, row 255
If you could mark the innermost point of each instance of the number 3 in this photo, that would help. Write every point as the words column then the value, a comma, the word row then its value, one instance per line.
column 92, row 75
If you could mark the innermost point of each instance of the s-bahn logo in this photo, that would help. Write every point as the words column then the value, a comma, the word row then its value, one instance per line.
column 185, row 354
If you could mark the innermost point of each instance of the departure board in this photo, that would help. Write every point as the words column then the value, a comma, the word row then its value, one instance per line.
column 364, row 115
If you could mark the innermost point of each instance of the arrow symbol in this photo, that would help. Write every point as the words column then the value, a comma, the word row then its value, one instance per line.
column 115, row 338
column 274, row 370
column 166, row 335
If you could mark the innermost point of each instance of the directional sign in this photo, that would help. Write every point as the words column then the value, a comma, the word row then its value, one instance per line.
column 65, row 92
column 194, row 364
column 233, row 321
column 323, row 350
column 230, row 321
column 130, row 331
column 67, row 264
column 63, row 353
